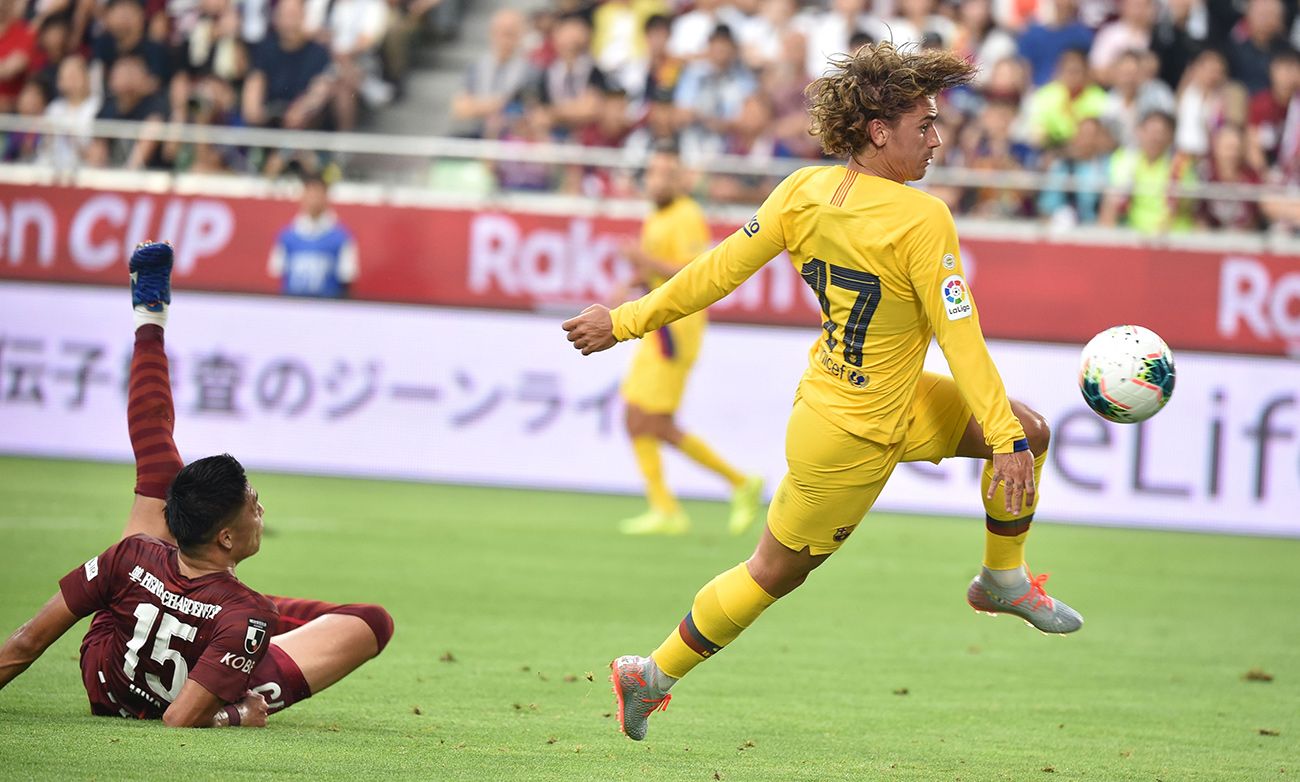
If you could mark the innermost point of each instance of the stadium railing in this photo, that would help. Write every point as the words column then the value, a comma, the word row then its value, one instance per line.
column 432, row 171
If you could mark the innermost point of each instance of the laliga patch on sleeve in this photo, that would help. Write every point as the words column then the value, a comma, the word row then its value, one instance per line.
column 92, row 568
column 956, row 297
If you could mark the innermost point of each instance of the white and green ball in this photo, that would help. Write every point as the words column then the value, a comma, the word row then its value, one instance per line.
column 1126, row 374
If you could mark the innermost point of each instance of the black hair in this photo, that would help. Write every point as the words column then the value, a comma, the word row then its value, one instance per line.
column 314, row 178
column 203, row 496
column 137, row 3
column 1285, row 55
column 722, row 33
column 574, row 16
column 658, row 21
column 1161, row 115
column 50, row 22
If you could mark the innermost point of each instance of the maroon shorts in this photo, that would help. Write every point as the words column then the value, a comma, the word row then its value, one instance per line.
column 279, row 680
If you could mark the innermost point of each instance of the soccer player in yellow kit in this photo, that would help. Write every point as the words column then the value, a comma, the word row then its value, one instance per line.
column 673, row 234
column 885, row 264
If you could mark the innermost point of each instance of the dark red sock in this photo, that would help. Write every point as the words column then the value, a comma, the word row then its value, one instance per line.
column 150, row 415
column 296, row 611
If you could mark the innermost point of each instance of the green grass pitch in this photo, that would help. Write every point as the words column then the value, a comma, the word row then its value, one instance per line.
column 510, row 604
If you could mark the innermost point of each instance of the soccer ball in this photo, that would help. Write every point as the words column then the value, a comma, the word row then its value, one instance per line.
column 1126, row 374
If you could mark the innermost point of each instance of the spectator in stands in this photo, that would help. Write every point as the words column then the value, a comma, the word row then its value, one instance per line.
column 51, row 47
column 288, row 84
column 658, row 129
column 1140, row 178
column 1132, row 30
column 1056, row 108
column 315, row 255
column 1043, row 42
column 75, row 108
column 1227, row 165
column 612, row 124
column 783, row 82
column 572, row 84
column 1260, row 35
column 528, row 122
column 21, row 147
column 210, row 101
column 1207, row 102
column 1273, row 110
column 1087, row 160
column 656, row 69
column 132, row 95
column 710, row 94
column 211, row 56
column 760, row 37
column 979, row 39
column 916, row 20
column 1179, row 35
column 17, row 51
column 618, row 32
column 1133, row 95
column 994, row 149
column 405, row 18
column 125, row 35
column 827, row 32
column 356, row 30
column 691, row 30
column 494, row 79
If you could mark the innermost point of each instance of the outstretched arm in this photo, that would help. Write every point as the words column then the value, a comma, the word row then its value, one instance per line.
column 32, row 639
column 702, row 282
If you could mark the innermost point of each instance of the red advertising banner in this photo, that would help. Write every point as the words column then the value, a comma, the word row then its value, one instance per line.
column 1248, row 303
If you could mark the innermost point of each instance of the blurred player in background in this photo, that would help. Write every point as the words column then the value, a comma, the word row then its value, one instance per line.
column 315, row 255
column 673, row 234
column 176, row 636
column 885, row 264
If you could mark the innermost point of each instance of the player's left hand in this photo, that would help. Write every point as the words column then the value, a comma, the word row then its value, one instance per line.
column 1016, row 470
column 592, row 331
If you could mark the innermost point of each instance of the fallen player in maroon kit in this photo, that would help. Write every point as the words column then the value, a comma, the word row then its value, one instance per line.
column 176, row 636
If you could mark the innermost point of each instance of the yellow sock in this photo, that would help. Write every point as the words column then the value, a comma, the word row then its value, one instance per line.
column 722, row 609
column 652, row 468
column 1005, row 533
column 703, row 455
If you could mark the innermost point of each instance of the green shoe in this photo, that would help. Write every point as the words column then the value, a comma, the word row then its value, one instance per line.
column 656, row 522
column 745, row 501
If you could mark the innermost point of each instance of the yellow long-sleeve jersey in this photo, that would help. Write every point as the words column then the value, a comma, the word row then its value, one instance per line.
column 885, row 264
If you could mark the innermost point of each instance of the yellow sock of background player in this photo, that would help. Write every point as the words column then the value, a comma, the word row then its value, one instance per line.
column 1005, row 533
column 706, row 457
column 652, row 468
column 721, row 611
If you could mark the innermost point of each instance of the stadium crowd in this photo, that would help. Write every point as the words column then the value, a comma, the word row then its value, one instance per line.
column 1121, row 95
column 304, row 64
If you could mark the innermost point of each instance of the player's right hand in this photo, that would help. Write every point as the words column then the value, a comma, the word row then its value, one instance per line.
column 252, row 710
column 592, row 331
column 1016, row 472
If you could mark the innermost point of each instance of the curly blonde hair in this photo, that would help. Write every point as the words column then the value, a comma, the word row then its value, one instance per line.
column 880, row 81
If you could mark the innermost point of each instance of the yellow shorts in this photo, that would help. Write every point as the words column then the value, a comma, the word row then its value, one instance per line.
column 834, row 477
column 657, row 379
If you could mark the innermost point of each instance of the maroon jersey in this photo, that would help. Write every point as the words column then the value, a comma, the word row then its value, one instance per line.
column 154, row 628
